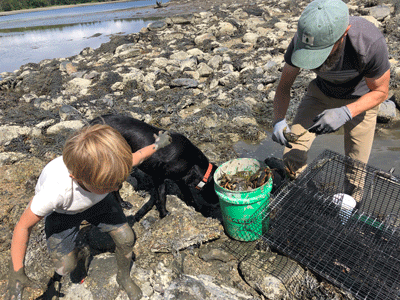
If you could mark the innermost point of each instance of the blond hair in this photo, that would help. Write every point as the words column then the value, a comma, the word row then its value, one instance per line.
column 99, row 156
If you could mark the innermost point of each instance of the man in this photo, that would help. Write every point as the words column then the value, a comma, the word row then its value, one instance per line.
column 350, row 57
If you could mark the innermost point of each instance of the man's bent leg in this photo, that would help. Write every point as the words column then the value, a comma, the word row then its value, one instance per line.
column 358, row 139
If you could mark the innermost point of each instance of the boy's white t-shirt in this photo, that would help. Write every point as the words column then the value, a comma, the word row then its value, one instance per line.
column 57, row 191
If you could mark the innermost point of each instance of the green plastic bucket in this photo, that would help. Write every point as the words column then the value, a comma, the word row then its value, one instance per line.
column 238, row 207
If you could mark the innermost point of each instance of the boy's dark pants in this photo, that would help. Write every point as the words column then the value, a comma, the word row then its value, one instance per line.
column 62, row 231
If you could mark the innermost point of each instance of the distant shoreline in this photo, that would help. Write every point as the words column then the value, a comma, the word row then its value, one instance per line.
column 22, row 11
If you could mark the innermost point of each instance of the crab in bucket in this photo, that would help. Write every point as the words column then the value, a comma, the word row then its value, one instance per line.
column 245, row 180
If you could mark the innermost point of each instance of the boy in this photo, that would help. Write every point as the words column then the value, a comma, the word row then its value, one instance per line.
column 77, row 186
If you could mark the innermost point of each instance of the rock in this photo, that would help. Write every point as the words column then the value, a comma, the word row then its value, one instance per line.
column 276, row 277
column 179, row 230
column 71, row 69
column 189, row 64
column 380, row 12
column 182, row 19
column 127, row 51
column 78, row 86
column 250, row 38
column 226, row 28
column 396, row 98
column 184, row 82
column 67, row 112
column 158, row 25
column 204, row 37
column 217, row 254
column 8, row 133
column 10, row 157
column 204, row 70
column 387, row 111
column 202, row 288
column 65, row 125
column 215, row 62
column 68, row 66
column 28, row 98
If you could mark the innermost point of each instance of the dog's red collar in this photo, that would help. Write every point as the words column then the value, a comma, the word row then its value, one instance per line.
column 203, row 182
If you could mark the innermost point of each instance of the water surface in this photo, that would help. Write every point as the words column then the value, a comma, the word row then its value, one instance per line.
column 385, row 152
column 57, row 33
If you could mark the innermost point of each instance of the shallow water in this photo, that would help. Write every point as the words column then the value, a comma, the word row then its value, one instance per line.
column 57, row 33
column 385, row 153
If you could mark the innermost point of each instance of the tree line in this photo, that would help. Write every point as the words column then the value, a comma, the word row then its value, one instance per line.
column 9, row 5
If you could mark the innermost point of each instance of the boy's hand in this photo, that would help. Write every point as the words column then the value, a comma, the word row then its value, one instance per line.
column 162, row 139
column 17, row 281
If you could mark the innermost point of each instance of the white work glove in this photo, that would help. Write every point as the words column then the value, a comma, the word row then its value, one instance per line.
column 162, row 139
column 278, row 136
column 330, row 120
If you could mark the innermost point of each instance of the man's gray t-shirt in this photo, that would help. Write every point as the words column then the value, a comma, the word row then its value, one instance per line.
column 365, row 55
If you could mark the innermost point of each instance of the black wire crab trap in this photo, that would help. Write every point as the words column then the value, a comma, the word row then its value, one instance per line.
column 357, row 249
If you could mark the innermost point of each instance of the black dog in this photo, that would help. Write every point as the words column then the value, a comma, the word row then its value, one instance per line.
column 180, row 161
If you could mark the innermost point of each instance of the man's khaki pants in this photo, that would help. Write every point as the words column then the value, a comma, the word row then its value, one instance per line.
column 358, row 132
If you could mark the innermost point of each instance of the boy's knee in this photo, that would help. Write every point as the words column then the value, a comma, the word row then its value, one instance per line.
column 124, row 237
column 66, row 264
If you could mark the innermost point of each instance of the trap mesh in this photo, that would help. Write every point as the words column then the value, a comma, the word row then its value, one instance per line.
column 357, row 250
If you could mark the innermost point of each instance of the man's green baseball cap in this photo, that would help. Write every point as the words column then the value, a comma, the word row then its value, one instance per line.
column 320, row 26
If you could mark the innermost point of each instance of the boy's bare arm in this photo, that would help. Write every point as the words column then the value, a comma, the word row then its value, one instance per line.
column 161, row 140
column 141, row 155
column 17, row 279
column 20, row 238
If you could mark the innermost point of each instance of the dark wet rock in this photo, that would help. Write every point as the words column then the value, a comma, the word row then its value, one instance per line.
column 158, row 25
column 256, row 11
column 396, row 98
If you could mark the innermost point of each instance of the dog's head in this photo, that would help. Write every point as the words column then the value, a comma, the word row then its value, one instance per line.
column 203, row 181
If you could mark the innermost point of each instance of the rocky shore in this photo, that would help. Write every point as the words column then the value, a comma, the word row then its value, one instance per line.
column 208, row 72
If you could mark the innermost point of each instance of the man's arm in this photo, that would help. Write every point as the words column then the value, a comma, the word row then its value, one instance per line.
column 281, row 104
column 282, row 95
column 331, row 120
column 379, row 92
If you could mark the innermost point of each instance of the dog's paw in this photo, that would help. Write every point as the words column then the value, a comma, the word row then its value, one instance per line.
column 164, row 214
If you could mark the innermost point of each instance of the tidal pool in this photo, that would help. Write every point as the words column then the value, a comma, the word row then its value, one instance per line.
column 385, row 153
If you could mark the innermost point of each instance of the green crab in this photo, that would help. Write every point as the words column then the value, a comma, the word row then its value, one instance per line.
column 292, row 137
